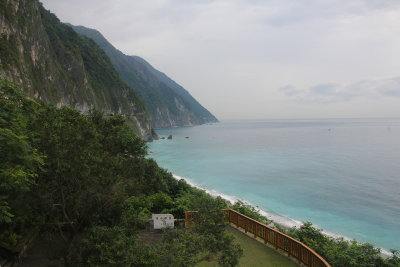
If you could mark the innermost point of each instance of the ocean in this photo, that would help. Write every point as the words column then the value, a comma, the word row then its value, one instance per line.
column 343, row 175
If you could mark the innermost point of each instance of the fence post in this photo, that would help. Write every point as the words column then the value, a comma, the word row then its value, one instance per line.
column 266, row 231
column 300, row 254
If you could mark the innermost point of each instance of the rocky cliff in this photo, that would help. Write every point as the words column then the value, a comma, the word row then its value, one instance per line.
column 168, row 103
column 53, row 63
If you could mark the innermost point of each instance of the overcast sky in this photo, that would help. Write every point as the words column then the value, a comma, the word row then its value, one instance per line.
column 257, row 59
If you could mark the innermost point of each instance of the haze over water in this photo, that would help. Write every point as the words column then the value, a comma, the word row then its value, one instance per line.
column 343, row 175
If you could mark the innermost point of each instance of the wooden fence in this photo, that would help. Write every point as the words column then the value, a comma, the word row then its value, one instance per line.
column 291, row 246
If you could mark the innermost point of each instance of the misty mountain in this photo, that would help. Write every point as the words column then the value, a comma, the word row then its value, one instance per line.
column 168, row 103
column 53, row 63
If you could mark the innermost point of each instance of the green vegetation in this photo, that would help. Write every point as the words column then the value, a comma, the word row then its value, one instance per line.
column 101, row 74
column 255, row 253
column 250, row 211
column 86, row 180
column 337, row 252
column 165, row 99
column 8, row 53
column 19, row 160
column 54, row 63
column 7, row 10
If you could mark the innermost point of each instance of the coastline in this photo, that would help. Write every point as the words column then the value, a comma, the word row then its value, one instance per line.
column 274, row 161
column 280, row 220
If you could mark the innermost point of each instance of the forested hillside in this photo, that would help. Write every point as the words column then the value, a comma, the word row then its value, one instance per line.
column 168, row 103
column 74, row 171
column 83, row 183
column 53, row 63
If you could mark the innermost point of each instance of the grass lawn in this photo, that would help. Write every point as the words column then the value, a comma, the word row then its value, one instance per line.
column 254, row 253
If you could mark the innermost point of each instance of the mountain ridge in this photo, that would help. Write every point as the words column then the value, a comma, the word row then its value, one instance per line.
column 53, row 63
column 168, row 103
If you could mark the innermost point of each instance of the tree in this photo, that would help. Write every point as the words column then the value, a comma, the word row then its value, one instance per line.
column 19, row 161
column 112, row 246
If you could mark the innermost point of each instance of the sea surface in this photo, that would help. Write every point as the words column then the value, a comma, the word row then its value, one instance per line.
column 343, row 175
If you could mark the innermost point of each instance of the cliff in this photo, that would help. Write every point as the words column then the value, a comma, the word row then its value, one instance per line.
column 53, row 63
column 168, row 103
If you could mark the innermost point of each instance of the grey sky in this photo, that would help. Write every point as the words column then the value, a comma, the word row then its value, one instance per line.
column 255, row 59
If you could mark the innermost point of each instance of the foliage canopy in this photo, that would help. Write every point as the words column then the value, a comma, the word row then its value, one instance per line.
column 85, row 178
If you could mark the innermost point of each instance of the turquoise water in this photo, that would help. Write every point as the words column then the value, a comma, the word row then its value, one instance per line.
column 342, row 175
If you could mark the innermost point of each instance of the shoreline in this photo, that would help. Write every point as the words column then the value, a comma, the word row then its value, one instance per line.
column 280, row 220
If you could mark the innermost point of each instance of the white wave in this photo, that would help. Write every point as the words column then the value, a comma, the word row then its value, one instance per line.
column 214, row 193
column 283, row 221
column 278, row 219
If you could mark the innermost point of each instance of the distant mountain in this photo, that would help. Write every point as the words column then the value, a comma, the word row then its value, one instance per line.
column 53, row 63
column 168, row 103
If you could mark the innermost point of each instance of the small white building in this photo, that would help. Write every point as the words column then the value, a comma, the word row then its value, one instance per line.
column 161, row 221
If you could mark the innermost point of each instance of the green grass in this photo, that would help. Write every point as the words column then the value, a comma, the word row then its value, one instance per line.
column 254, row 253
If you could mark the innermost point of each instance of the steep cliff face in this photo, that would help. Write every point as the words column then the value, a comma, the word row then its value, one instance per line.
column 53, row 63
column 168, row 103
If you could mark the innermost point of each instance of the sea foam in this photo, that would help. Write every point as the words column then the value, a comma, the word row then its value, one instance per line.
column 283, row 221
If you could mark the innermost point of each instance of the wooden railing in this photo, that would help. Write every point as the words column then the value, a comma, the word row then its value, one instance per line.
column 291, row 246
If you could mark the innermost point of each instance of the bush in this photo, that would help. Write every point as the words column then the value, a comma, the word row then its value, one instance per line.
column 112, row 246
